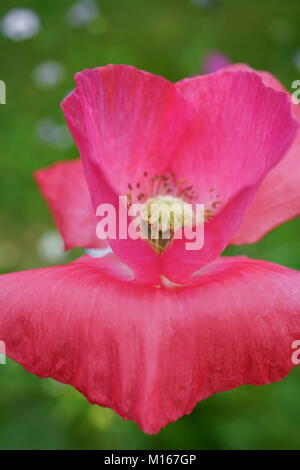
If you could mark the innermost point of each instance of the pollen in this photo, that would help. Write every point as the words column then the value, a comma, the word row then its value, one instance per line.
column 162, row 216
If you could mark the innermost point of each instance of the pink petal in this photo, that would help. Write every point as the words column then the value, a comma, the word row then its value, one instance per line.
column 151, row 354
column 241, row 129
column 64, row 188
column 278, row 198
column 125, row 122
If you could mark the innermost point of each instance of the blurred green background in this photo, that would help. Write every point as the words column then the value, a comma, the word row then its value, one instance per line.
column 167, row 37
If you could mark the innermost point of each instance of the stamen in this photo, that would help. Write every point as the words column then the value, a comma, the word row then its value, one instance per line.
column 161, row 217
column 164, row 190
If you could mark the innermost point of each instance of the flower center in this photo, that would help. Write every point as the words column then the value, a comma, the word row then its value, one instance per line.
column 161, row 217
column 167, row 206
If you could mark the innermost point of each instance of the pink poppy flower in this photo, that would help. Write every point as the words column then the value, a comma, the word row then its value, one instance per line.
column 150, row 333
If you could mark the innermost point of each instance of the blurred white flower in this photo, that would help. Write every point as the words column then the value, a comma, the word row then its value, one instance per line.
column 48, row 74
column 50, row 247
column 20, row 24
column 98, row 252
column 82, row 12
column 54, row 134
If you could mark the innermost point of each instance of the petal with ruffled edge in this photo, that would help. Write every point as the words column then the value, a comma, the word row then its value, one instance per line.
column 126, row 121
column 241, row 129
column 152, row 353
column 64, row 187
column 278, row 198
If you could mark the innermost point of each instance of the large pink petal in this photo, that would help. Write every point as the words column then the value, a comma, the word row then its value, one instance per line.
column 278, row 198
column 241, row 130
column 126, row 123
column 64, row 188
column 152, row 353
